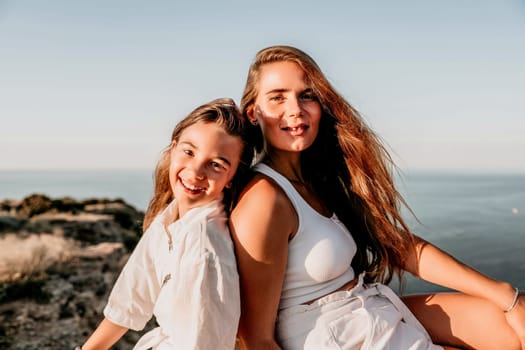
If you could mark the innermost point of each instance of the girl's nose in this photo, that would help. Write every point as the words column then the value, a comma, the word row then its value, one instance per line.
column 199, row 171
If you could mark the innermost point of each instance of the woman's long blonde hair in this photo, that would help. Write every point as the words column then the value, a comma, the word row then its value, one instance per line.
column 224, row 113
column 349, row 168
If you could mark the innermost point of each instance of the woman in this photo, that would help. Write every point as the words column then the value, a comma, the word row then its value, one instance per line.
column 319, row 226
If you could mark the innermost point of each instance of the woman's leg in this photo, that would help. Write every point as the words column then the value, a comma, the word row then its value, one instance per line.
column 462, row 321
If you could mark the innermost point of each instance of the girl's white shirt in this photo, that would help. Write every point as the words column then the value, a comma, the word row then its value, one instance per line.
column 184, row 272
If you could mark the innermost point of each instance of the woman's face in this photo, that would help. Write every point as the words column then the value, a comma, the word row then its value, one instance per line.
column 286, row 108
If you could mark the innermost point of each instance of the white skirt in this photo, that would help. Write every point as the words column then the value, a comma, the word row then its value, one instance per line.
column 366, row 317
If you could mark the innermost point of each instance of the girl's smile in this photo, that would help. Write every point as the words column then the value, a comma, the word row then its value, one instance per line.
column 192, row 189
column 203, row 162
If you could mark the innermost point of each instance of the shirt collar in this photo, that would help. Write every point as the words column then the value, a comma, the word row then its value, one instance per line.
column 169, row 215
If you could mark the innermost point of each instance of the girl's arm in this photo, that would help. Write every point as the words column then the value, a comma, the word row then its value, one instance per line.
column 434, row 265
column 261, row 225
column 106, row 334
column 133, row 296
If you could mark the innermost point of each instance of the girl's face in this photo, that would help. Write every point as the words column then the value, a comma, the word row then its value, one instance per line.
column 203, row 162
column 286, row 108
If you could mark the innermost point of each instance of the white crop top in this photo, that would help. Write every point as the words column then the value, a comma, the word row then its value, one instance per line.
column 319, row 254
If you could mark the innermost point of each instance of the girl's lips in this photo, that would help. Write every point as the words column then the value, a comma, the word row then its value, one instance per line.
column 191, row 188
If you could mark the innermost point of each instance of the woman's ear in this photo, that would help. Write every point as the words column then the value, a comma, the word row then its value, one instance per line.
column 249, row 113
column 252, row 118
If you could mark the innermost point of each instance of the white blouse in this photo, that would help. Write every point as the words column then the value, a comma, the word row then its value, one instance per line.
column 184, row 272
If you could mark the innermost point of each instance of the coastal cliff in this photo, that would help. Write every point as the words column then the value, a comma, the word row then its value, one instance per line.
column 59, row 259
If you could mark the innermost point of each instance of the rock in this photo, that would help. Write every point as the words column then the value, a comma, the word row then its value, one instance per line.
column 9, row 223
column 34, row 204
column 124, row 214
column 66, row 204
column 59, row 307
column 8, row 206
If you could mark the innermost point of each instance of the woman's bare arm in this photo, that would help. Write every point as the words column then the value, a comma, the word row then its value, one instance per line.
column 261, row 225
column 434, row 265
column 480, row 306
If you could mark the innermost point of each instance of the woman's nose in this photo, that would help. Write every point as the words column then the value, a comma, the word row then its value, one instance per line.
column 294, row 107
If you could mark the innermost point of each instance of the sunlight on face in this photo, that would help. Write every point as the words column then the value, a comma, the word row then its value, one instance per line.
column 286, row 107
column 203, row 162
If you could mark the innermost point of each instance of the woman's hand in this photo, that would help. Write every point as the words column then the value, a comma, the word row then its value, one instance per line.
column 516, row 319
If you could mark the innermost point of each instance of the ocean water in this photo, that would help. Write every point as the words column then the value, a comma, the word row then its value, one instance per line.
column 478, row 218
column 134, row 186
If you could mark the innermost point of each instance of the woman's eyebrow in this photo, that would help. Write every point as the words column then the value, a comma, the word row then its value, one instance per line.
column 273, row 91
column 280, row 90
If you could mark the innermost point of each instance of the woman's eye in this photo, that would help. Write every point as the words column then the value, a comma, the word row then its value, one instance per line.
column 308, row 96
column 276, row 98
column 188, row 152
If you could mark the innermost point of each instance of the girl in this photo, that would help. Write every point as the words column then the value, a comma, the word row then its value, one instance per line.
column 183, row 269
column 319, row 227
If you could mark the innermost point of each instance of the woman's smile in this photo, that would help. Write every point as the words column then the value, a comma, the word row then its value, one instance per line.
column 298, row 130
column 286, row 103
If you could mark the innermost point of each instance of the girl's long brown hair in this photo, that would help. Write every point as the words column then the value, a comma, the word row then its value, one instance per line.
column 226, row 114
column 349, row 168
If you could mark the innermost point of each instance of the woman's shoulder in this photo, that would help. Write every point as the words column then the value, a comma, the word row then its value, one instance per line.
column 263, row 213
column 264, row 201
column 264, row 190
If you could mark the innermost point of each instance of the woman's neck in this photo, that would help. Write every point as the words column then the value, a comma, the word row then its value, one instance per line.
column 287, row 164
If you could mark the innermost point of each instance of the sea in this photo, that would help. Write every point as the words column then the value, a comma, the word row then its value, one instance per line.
column 478, row 218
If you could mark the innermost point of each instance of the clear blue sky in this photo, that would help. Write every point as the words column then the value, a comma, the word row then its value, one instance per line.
column 101, row 84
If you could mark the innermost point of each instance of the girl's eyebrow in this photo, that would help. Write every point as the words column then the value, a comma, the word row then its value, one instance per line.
column 225, row 160
column 188, row 143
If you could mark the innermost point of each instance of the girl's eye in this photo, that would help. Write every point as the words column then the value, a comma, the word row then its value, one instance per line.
column 276, row 98
column 188, row 152
column 217, row 166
